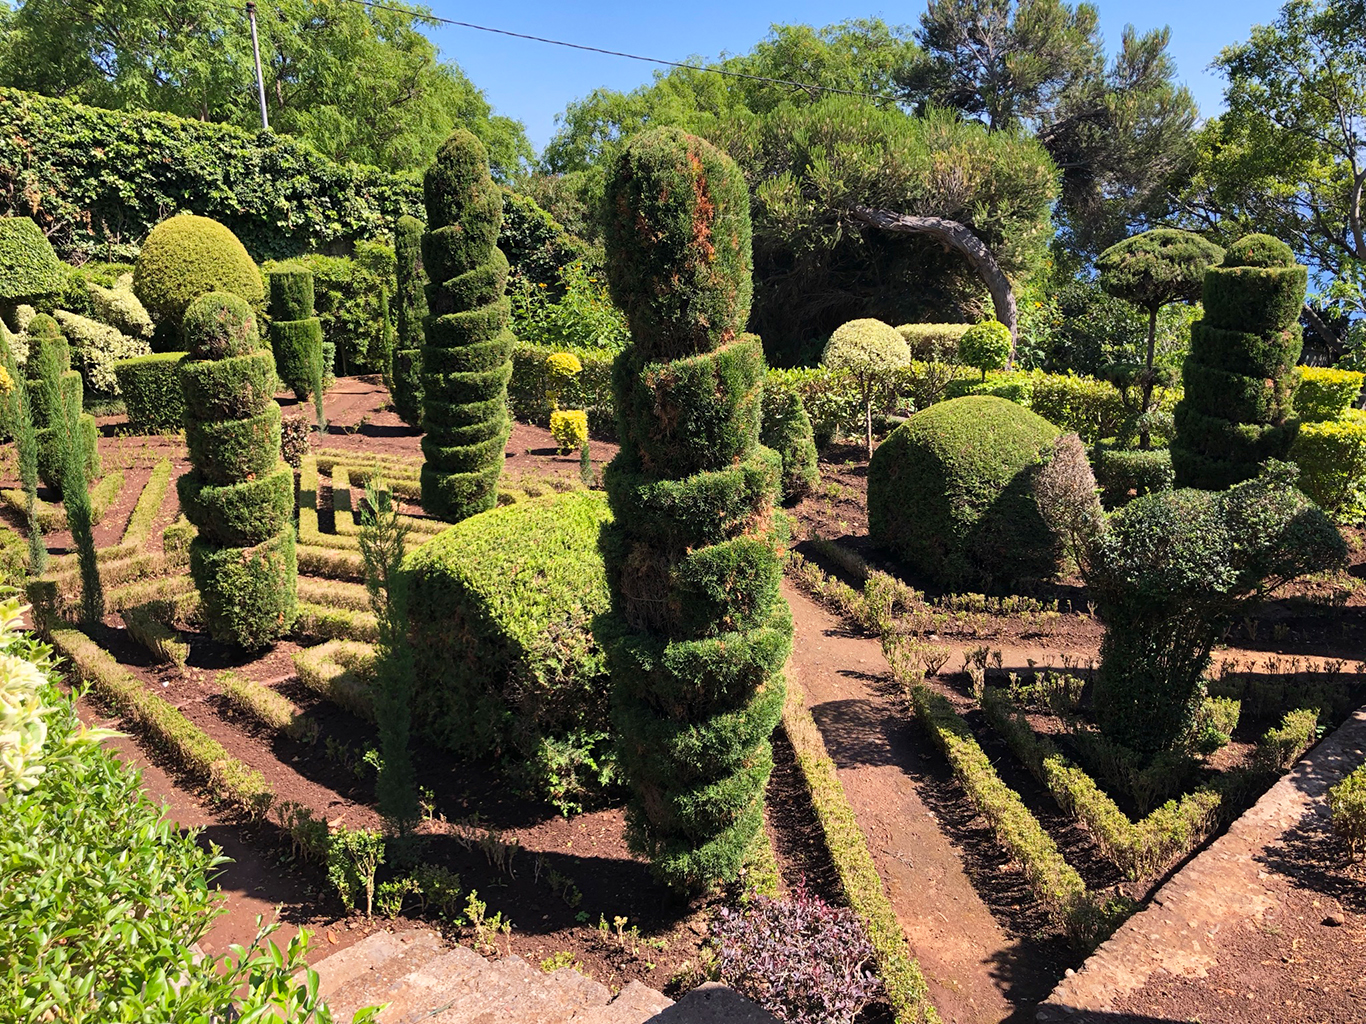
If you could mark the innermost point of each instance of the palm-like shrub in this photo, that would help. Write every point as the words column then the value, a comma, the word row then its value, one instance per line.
column 296, row 335
column 467, row 348
column 186, row 256
column 870, row 352
column 239, row 493
column 1239, row 375
column 698, row 631
column 410, row 310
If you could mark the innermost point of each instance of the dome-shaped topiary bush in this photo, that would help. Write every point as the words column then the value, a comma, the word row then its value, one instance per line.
column 410, row 309
column 239, row 493
column 186, row 256
column 467, row 348
column 29, row 268
column 296, row 335
column 951, row 492
column 1239, row 377
column 870, row 351
column 985, row 346
column 698, row 631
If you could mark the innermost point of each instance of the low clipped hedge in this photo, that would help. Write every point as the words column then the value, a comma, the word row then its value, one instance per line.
column 1124, row 474
column 950, row 491
column 1326, row 393
column 1332, row 460
column 151, row 392
column 500, row 611
column 590, row 390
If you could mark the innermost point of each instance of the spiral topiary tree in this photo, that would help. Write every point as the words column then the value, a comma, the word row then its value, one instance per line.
column 410, row 310
column 239, row 494
column 467, row 348
column 1239, row 376
column 698, row 632
column 296, row 335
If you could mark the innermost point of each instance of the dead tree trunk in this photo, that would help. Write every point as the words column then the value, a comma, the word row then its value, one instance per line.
column 961, row 238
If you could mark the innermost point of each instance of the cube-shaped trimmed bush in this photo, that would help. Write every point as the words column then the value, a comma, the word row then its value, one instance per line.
column 151, row 392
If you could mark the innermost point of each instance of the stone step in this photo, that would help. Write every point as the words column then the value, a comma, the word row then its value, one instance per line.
column 634, row 1004
column 371, row 985
column 367, row 954
column 714, row 1004
column 432, row 987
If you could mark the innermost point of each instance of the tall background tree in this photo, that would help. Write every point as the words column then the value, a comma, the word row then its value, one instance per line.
column 358, row 83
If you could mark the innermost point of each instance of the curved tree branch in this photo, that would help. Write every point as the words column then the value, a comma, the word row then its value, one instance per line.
column 960, row 237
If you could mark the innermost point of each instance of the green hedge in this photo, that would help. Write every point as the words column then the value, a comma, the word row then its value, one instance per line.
column 29, row 269
column 1332, row 461
column 1124, row 474
column 590, row 390
column 150, row 386
column 1326, row 393
column 185, row 256
column 500, row 606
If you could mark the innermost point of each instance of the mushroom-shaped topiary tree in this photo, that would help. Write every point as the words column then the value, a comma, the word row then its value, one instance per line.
column 467, row 348
column 184, row 257
column 1152, row 270
column 870, row 352
column 29, row 268
column 239, row 493
column 1239, row 376
column 985, row 346
column 410, row 310
column 698, row 631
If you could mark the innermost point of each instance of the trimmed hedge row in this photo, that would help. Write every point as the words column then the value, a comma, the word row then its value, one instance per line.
column 151, row 391
column 343, row 672
column 1332, row 460
column 1326, row 393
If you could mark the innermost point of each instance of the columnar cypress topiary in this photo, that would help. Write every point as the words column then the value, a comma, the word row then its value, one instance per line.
column 698, row 632
column 296, row 335
column 467, row 348
column 1239, row 376
column 26, row 445
column 53, row 388
column 239, row 493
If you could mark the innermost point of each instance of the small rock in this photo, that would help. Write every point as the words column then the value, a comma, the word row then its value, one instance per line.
column 1335, row 919
column 1068, row 973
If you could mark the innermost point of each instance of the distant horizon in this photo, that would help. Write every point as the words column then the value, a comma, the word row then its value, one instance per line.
column 533, row 82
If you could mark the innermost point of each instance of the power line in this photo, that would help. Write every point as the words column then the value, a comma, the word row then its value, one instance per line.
column 807, row 86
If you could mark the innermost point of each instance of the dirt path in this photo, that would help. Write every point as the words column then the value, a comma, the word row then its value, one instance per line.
column 978, row 974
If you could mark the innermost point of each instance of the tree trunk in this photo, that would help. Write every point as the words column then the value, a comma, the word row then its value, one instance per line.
column 1144, row 438
column 868, row 425
column 961, row 238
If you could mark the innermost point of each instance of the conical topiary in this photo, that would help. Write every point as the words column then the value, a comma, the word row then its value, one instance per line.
column 467, row 348
column 239, row 494
column 406, row 376
column 296, row 335
column 1239, row 376
column 698, row 632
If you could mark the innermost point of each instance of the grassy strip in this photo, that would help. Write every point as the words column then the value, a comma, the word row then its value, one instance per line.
column 227, row 778
column 332, row 563
column 334, row 594
column 1138, row 850
column 399, row 465
column 52, row 518
column 905, row 985
column 139, row 526
column 340, row 671
column 130, row 594
column 316, row 622
column 268, row 707
column 343, row 512
column 67, row 584
column 149, row 625
column 310, row 534
column 1056, row 883
column 308, row 482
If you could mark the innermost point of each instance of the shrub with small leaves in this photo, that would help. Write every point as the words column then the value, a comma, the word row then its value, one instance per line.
column 799, row 958
column 985, row 346
column 569, row 427
column 1347, row 801
column 870, row 352
column 561, row 370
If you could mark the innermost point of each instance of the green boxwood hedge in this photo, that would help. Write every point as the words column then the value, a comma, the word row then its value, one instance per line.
column 151, row 392
column 1326, row 393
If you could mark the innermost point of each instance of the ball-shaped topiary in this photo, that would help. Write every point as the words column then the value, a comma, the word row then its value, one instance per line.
column 951, row 493
column 698, row 631
column 239, row 494
column 186, row 256
column 870, row 351
column 1239, row 377
column 985, row 346
column 467, row 348
column 410, row 309
column 29, row 268
column 296, row 335
column 677, row 213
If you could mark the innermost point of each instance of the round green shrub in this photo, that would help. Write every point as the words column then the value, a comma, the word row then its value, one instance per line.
column 1259, row 251
column 950, row 493
column 678, row 238
column 151, row 391
column 985, row 346
column 186, row 256
column 1155, row 268
column 220, row 325
column 866, row 346
column 29, row 268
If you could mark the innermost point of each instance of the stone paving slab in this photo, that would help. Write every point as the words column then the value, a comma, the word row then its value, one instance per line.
column 1196, row 914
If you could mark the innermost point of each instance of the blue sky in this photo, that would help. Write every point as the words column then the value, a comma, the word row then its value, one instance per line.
column 532, row 82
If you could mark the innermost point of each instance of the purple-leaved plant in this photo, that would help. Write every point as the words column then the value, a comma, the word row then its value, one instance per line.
column 800, row 958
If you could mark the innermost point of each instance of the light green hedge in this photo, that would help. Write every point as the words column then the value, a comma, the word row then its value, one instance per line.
column 1332, row 460
column 1326, row 393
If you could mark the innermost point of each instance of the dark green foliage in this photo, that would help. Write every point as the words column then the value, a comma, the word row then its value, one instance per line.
column 1125, row 473
column 151, row 391
column 296, row 335
column 29, row 269
column 76, row 499
column 239, row 493
column 1158, row 267
column 786, row 429
column 698, row 630
column 410, row 304
column 1170, row 572
column 679, row 260
column 950, row 492
column 20, row 419
column 465, row 355
column 1239, row 376
column 52, row 454
column 186, row 256
column 500, row 606
column 53, row 389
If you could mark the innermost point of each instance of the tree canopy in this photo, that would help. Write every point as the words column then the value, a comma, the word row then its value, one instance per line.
column 357, row 83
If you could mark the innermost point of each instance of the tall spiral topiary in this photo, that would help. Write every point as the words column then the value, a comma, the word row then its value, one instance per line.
column 410, row 310
column 467, row 348
column 296, row 335
column 698, row 632
column 1239, row 376
column 239, row 493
